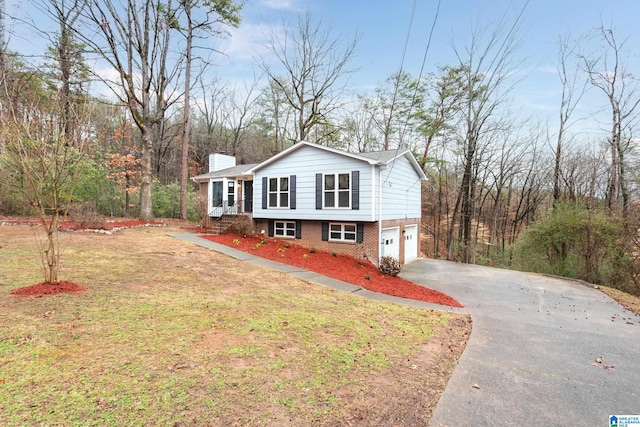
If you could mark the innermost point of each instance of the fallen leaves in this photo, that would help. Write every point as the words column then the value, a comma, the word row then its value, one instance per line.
column 600, row 362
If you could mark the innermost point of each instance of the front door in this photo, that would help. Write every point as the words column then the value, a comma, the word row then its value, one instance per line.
column 216, row 199
column 248, row 196
column 216, row 194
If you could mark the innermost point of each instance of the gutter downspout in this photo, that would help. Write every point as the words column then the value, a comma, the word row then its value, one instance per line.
column 380, row 212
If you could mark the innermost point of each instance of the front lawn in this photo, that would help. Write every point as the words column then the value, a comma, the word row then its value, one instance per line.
column 168, row 333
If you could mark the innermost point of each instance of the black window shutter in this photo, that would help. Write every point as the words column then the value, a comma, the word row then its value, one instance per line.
column 292, row 192
column 355, row 190
column 298, row 229
column 359, row 233
column 271, row 228
column 325, row 231
column 318, row 191
column 264, row 192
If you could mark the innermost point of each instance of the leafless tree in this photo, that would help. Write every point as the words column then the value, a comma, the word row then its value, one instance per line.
column 43, row 165
column 359, row 128
column 214, row 12
column 133, row 38
column 608, row 72
column 487, row 77
column 572, row 92
column 311, row 66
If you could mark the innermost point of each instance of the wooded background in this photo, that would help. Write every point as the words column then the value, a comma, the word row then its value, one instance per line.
column 503, row 189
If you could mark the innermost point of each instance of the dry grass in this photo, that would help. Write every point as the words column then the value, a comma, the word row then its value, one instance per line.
column 628, row 301
column 173, row 334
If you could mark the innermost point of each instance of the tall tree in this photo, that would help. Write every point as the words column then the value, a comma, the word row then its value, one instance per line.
column 608, row 72
column 399, row 101
column 134, row 39
column 276, row 116
column 445, row 95
column 312, row 64
column 68, row 67
column 486, row 69
column 572, row 92
column 214, row 13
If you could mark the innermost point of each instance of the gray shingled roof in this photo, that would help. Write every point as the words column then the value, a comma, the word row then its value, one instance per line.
column 382, row 156
column 228, row 172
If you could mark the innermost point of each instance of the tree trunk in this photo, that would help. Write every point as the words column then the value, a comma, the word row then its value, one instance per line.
column 52, row 255
column 186, row 123
column 146, row 175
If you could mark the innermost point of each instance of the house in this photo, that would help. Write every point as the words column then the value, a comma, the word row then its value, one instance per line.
column 363, row 204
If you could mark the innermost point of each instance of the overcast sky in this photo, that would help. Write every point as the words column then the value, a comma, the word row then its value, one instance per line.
column 384, row 27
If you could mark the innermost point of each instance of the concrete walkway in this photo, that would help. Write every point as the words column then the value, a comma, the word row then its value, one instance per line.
column 534, row 352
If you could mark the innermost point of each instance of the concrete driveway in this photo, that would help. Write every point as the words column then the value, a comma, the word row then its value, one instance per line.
column 533, row 356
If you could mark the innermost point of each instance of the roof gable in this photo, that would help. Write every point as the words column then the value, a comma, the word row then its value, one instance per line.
column 377, row 158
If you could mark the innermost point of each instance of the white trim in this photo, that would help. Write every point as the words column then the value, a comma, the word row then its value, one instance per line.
column 302, row 144
column 284, row 229
column 395, row 244
column 278, row 192
column 411, row 230
column 343, row 232
column 336, row 191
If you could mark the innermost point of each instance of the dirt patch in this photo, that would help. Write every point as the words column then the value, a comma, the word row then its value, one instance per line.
column 338, row 266
column 408, row 394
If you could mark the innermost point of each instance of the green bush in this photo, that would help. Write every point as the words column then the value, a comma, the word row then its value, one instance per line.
column 570, row 241
column 166, row 201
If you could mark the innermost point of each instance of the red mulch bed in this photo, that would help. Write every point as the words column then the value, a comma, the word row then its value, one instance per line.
column 67, row 287
column 341, row 267
column 108, row 225
column 44, row 288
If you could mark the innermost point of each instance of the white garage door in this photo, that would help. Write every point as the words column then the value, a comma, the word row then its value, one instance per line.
column 410, row 242
column 390, row 242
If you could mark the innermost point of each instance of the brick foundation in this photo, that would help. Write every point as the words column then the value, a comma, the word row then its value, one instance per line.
column 311, row 237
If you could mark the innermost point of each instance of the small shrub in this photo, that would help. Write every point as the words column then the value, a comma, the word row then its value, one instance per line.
column 367, row 277
column 312, row 250
column 239, row 226
column 333, row 254
column 236, row 241
column 286, row 245
column 390, row 265
column 305, row 256
column 85, row 215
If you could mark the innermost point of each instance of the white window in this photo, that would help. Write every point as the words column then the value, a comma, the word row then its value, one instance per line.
column 279, row 192
column 284, row 229
column 337, row 190
column 342, row 232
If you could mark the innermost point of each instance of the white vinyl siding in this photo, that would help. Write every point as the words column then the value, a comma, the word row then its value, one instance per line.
column 401, row 191
column 340, row 232
column 305, row 163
